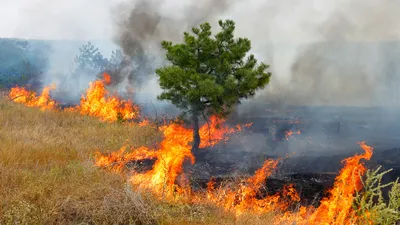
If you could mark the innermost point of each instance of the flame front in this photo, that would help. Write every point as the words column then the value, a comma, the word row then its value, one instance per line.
column 162, row 180
column 338, row 207
column 171, row 155
column 290, row 133
column 96, row 102
column 30, row 99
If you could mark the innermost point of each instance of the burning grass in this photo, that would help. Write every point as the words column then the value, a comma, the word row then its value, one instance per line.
column 47, row 165
column 48, row 177
column 31, row 99
column 97, row 102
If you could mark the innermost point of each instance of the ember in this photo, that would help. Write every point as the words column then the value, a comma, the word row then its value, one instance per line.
column 289, row 134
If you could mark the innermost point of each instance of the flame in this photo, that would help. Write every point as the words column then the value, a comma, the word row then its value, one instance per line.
column 291, row 192
column 245, row 197
column 30, row 98
column 172, row 152
column 163, row 180
column 288, row 134
column 107, row 79
column 117, row 160
column 338, row 207
column 98, row 103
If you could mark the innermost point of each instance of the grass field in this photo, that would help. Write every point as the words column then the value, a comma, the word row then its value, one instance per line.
column 47, row 175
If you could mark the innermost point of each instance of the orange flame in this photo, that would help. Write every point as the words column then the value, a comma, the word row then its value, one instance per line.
column 245, row 197
column 174, row 149
column 97, row 103
column 171, row 154
column 337, row 208
column 107, row 79
column 30, row 99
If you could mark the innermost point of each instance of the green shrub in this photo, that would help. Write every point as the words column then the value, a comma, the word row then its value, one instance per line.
column 370, row 204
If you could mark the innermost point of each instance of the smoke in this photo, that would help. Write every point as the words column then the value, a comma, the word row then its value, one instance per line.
column 331, row 53
column 141, row 26
column 141, row 23
column 349, row 62
column 321, row 53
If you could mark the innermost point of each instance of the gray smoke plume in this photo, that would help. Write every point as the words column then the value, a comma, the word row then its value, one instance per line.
column 342, row 52
column 350, row 62
column 331, row 53
column 141, row 25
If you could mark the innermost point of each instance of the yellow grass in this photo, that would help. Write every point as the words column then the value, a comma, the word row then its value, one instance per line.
column 47, row 174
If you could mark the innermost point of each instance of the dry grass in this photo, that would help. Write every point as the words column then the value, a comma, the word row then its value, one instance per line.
column 47, row 173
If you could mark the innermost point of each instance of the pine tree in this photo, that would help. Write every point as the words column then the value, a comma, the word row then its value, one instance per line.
column 209, row 75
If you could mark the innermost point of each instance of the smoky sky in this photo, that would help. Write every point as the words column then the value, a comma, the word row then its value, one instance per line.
column 320, row 52
column 142, row 25
column 331, row 52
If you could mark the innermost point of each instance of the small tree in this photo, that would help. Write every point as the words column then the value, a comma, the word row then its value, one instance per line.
column 90, row 60
column 208, row 74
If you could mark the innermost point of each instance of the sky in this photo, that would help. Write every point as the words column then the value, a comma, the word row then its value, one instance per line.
column 56, row 19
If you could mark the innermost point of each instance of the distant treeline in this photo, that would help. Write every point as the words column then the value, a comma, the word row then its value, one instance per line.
column 22, row 62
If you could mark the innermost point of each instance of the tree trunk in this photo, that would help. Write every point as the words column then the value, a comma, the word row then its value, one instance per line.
column 196, row 135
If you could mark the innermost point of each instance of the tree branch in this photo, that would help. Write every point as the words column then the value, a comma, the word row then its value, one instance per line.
column 208, row 125
column 12, row 99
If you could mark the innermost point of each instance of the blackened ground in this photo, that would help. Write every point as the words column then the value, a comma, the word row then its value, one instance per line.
column 312, row 187
column 311, row 156
column 310, row 182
